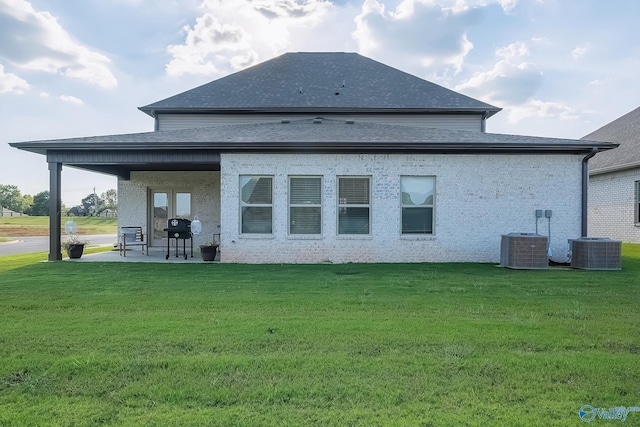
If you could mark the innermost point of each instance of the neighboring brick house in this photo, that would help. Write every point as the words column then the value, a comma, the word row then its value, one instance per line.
column 334, row 157
column 614, row 181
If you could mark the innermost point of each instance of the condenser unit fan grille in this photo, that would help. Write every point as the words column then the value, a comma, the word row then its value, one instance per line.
column 596, row 254
column 524, row 251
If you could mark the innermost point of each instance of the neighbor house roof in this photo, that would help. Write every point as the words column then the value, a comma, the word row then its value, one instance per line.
column 320, row 82
column 624, row 131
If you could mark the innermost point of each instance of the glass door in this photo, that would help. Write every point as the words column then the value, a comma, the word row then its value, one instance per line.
column 165, row 204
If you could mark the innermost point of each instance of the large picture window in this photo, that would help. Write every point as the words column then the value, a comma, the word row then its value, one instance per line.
column 354, row 205
column 256, row 204
column 417, row 204
column 637, row 204
column 305, row 205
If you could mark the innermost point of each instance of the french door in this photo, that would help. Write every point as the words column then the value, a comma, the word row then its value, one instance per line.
column 165, row 204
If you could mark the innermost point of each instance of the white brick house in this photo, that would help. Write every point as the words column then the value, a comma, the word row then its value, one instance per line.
column 333, row 157
column 614, row 181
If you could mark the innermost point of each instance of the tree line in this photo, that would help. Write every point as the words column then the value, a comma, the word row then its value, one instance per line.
column 11, row 198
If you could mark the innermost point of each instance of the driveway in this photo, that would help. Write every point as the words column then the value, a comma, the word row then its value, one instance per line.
column 24, row 245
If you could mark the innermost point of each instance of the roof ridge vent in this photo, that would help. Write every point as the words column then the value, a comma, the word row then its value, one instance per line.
column 317, row 120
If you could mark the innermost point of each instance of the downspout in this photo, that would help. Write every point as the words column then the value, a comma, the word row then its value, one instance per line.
column 585, row 190
column 483, row 122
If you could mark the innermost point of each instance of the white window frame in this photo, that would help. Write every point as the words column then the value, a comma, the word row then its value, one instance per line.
column 155, row 237
column 340, row 205
column 254, row 205
column 304, row 205
column 636, row 210
column 432, row 206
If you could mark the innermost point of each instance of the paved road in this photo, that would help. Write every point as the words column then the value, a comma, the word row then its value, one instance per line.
column 26, row 245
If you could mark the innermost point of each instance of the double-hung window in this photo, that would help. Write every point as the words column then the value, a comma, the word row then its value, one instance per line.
column 305, row 205
column 256, row 204
column 354, row 205
column 417, row 194
column 637, row 204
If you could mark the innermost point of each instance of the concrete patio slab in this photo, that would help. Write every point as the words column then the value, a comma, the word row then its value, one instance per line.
column 135, row 255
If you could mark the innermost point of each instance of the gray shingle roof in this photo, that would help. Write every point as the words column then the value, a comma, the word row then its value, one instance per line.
column 316, row 135
column 624, row 131
column 320, row 82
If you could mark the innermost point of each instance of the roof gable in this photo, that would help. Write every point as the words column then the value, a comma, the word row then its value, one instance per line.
column 320, row 82
column 624, row 131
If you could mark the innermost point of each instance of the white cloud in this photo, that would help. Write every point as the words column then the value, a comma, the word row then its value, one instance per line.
column 580, row 50
column 36, row 41
column 207, row 38
column 288, row 8
column 10, row 83
column 423, row 29
column 233, row 35
column 71, row 99
column 535, row 108
column 44, row 95
column 513, row 50
column 513, row 83
column 508, row 5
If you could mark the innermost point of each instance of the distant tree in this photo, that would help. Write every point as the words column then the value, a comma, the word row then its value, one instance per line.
column 40, row 205
column 27, row 201
column 110, row 199
column 92, row 204
column 11, row 198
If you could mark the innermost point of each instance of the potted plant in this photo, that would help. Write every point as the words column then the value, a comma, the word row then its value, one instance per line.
column 209, row 250
column 74, row 247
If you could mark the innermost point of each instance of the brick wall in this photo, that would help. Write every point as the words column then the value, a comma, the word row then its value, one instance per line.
column 611, row 206
column 478, row 198
column 133, row 198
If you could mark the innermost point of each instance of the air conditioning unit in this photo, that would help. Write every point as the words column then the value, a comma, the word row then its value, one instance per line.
column 526, row 251
column 596, row 253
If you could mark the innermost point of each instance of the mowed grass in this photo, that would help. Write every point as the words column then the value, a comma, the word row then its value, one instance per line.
column 89, row 344
column 17, row 226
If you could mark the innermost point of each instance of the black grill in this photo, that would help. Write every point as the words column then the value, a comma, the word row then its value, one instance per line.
column 179, row 229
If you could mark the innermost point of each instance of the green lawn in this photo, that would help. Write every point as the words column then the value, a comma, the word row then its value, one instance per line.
column 121, row 344
column 16, row 226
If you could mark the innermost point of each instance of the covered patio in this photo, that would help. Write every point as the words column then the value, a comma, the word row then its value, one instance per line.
column 104, row 155
column 157, row 255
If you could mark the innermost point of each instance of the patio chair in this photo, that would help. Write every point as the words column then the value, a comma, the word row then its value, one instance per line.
column 132, row 236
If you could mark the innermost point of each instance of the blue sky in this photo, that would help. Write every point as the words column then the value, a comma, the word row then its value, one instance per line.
column 71, row 68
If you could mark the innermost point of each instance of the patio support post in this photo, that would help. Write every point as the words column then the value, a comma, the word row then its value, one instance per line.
column 55, row 201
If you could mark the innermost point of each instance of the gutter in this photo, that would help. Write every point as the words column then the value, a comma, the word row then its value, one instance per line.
column 615, row 168
column 585, row 190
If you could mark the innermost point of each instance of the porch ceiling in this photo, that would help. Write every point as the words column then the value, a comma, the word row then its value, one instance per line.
column 122, row 163
column 124, row 171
